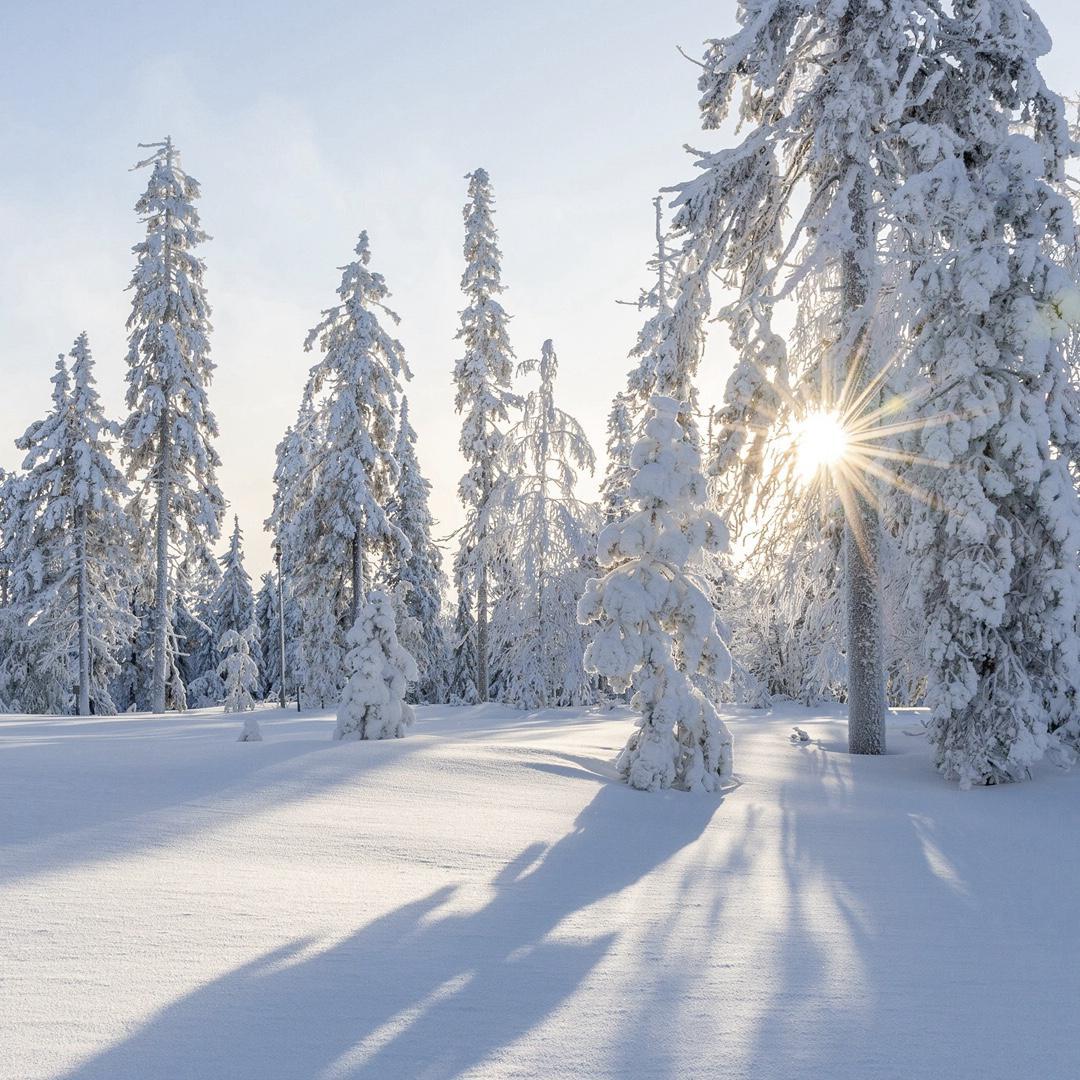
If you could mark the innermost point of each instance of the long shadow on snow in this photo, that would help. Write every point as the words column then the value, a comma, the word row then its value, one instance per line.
column 413, row 994
column 159, row 799
column 912, row 932
column 952, row 960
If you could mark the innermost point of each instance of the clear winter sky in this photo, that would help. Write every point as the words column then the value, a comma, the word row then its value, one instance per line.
column 306, row 122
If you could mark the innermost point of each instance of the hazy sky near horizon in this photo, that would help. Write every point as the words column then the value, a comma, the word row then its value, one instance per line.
column 306, row 123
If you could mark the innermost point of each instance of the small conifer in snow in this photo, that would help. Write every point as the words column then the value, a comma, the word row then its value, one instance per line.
column 656, row 624
column 620, row 445
column 234, row 603
column 463, row 664
column 373, row 704
column 239, row 672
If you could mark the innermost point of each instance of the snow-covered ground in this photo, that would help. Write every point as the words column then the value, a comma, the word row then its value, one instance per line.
column 481, row 899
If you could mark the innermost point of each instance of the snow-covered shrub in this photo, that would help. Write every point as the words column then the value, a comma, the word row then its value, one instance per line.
column 656, row 624
column 373, row 704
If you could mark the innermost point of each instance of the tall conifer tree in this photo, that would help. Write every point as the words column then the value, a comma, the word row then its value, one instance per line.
column 168, row 436
column 483, row 376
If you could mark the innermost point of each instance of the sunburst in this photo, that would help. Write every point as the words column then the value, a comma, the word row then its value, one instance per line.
column 847, row 442
column 821, row 442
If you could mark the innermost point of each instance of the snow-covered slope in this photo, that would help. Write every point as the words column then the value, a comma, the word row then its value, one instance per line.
column 482, row 899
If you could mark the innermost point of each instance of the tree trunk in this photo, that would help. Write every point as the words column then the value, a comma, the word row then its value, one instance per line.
column 281, row 630
column 161, row 605
column 84, row 614
column 862, row 528
column 357, row 575
column 481, row 634
column 482, row 588
column 541, row 575
column 161, row 598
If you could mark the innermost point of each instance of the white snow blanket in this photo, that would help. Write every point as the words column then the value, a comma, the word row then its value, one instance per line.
column 484, row 899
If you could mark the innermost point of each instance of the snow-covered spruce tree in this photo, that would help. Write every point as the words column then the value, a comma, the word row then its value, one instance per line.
column 233, row 606
column 420, row 574
column 546, row 529
column 167, row 438
column 71, row 580
column 799, row 205
column 662, row 364
column 238, row 670
column 994, row 538
column 266, row 625
column 103, row 535
column 7, row 481
column 35, row 676
column 9, row 622
column 620, row 444
column 462, row 688
column 197, row 638
column 786, row 615
column 293, row 530
column 656, row 624
column 482, row 377
column 669, row 345
column 353, row 394
column 130, row 689
column 373, row 704
column 409, row 630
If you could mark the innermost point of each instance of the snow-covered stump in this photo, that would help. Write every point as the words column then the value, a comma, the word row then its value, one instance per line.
column 657, row 626
column 250, row 731
column 373, row 704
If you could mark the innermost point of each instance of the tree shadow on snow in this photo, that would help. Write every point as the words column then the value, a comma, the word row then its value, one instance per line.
column 420, row 992
column 897, row 927
column 160, row 798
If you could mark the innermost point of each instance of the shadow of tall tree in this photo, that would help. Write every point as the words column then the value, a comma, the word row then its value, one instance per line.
column 415, row 993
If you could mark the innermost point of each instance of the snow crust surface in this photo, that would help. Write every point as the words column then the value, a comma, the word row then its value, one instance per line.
column 484, row 899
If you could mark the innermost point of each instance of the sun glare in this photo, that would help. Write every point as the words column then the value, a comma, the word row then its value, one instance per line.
column 821, row 443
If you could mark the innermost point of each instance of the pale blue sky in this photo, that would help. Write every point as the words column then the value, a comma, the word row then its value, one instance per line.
column 307, row 122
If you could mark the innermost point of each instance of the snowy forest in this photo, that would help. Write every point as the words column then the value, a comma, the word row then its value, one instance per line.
column 510, row 591
column 881, row 510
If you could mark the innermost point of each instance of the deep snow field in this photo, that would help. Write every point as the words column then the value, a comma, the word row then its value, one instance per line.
column 482, row 899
